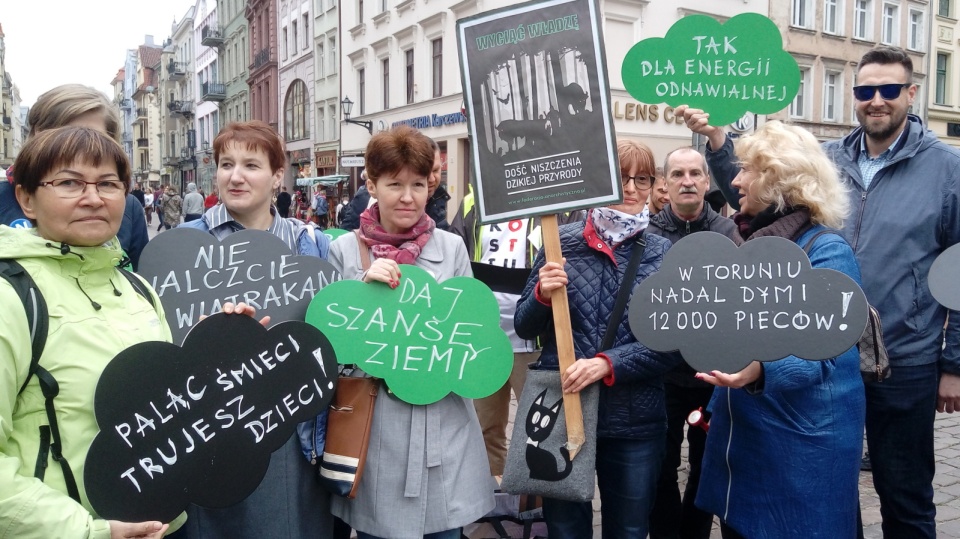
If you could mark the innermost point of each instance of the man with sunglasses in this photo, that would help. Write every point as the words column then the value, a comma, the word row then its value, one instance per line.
column 904, row 188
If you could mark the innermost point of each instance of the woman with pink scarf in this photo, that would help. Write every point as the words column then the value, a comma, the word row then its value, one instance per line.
column 426, row 472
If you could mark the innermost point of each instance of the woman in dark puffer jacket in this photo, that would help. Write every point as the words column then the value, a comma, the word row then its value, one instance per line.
column 631, row 419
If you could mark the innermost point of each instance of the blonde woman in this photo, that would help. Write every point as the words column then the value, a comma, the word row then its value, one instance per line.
column 783, row 454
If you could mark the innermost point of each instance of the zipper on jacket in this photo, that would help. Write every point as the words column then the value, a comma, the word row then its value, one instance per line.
column 856, row 235
column 726, row 509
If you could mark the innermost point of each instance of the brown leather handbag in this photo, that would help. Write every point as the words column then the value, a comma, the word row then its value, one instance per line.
column 348, row 425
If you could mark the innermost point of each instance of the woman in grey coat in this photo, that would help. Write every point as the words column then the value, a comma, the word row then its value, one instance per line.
column 426, row 472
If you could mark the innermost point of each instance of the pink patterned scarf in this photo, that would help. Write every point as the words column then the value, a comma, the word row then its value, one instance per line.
column 405, row 247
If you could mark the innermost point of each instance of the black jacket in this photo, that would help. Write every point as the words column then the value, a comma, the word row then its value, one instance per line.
column 671, row 226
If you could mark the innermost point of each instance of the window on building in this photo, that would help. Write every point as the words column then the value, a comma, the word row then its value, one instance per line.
column 915, row 35
column 332, row 114
column 295, row 112
column 408, row 60
column 362, row 89
column 321, row 126
column 832, row 100
column 385, row 70
column 943, row 9
column 359, row 11
column 437, row 45
column 802, row 14
column 283, row 43
column 306, row 31
column 294, row 43
column 889, row 33
column 862, row 19
column 798, row 109
column 940, row 93
column 332, row 51
column 319, row 61
column 833, row 17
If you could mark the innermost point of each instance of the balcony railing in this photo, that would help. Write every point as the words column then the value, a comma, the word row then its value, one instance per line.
column 180, row 108
column 171, row 161
column 176, row 71
column 141, row 112
column 213, row 91
column 260, row 58
column 143, row 143
column 211, row 36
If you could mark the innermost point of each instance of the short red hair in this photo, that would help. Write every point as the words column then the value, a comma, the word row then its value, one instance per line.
column 253, row 135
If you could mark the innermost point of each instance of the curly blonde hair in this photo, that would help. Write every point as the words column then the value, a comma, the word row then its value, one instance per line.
column 793, row 170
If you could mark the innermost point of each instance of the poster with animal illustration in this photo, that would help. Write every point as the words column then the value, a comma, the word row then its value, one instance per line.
column 535, row 83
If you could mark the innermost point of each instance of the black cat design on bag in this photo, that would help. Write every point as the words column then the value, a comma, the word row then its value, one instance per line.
column 540, row 422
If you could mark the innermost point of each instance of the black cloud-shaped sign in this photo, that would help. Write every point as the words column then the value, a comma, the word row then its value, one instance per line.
column 723, row 307
column 195, row 274
column 943, row 278
column 198, row 424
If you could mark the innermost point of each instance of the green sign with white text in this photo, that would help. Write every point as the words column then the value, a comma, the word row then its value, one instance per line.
column 725, row 69
column 425, row 339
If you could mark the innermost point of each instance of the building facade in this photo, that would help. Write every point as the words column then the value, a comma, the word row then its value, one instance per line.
column 179, row 97
column 943, row 106
column 262, row 74
column 295, row 24
column 209, row 90
column 233, row 59
column 147, row 127
column 828, row 37
column 326, row 68
column 399, row 63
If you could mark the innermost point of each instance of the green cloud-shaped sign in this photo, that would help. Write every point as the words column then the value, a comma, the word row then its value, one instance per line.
column 725, row 69
column 425, row 338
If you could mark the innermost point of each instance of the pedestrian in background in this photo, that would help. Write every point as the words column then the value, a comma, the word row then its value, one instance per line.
column 172, row 206
column 192, row 204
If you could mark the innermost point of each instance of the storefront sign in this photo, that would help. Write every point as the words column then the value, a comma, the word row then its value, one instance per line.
column 326, row 159
column 432, row 120
column 352, row 162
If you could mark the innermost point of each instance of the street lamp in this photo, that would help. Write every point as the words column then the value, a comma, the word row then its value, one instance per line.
column 346, row 105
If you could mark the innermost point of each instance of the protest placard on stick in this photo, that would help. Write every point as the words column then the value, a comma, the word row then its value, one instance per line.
column 535, row 80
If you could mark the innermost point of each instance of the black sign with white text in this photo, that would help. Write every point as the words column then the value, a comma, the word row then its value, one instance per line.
column 723, row 307
column 198, row 424
column 194, row 275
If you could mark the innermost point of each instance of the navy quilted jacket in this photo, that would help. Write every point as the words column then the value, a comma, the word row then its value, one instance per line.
column 633, row 407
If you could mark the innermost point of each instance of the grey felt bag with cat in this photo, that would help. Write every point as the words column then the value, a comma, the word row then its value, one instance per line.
column 537, row 461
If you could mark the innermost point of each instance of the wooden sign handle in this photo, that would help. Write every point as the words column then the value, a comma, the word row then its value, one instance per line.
column 561, row 323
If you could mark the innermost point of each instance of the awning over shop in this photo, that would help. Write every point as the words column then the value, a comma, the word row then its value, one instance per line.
column 326, row 181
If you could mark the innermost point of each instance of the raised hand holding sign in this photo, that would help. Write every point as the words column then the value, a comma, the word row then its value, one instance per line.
column 723, row 307
column 725, row 69
column 197, row 424
column 425, row 339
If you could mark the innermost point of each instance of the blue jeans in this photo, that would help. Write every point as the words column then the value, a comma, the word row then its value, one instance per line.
column 449, row 534
column 627, row 473
column 900, row 414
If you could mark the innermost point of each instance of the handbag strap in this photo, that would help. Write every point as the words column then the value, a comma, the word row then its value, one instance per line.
column 364, row 251
column 623, row 293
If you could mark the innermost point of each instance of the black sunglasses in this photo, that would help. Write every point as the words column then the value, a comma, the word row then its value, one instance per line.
column 887, row 91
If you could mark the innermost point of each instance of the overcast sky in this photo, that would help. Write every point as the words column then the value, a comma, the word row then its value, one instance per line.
column 53, row 42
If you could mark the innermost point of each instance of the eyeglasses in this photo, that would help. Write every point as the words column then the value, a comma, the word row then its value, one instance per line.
column 71, row 188
column 640, row 182
column 887, row 91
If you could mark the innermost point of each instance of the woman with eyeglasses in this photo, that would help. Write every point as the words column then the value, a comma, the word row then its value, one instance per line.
column 632, row 424
column 71, row 182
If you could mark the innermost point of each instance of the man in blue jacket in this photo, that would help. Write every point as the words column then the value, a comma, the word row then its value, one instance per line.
column 905, row 210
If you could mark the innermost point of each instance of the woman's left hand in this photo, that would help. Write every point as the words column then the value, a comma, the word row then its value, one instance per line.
column 242, row 308
column 748, row 375
column 584, row 372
